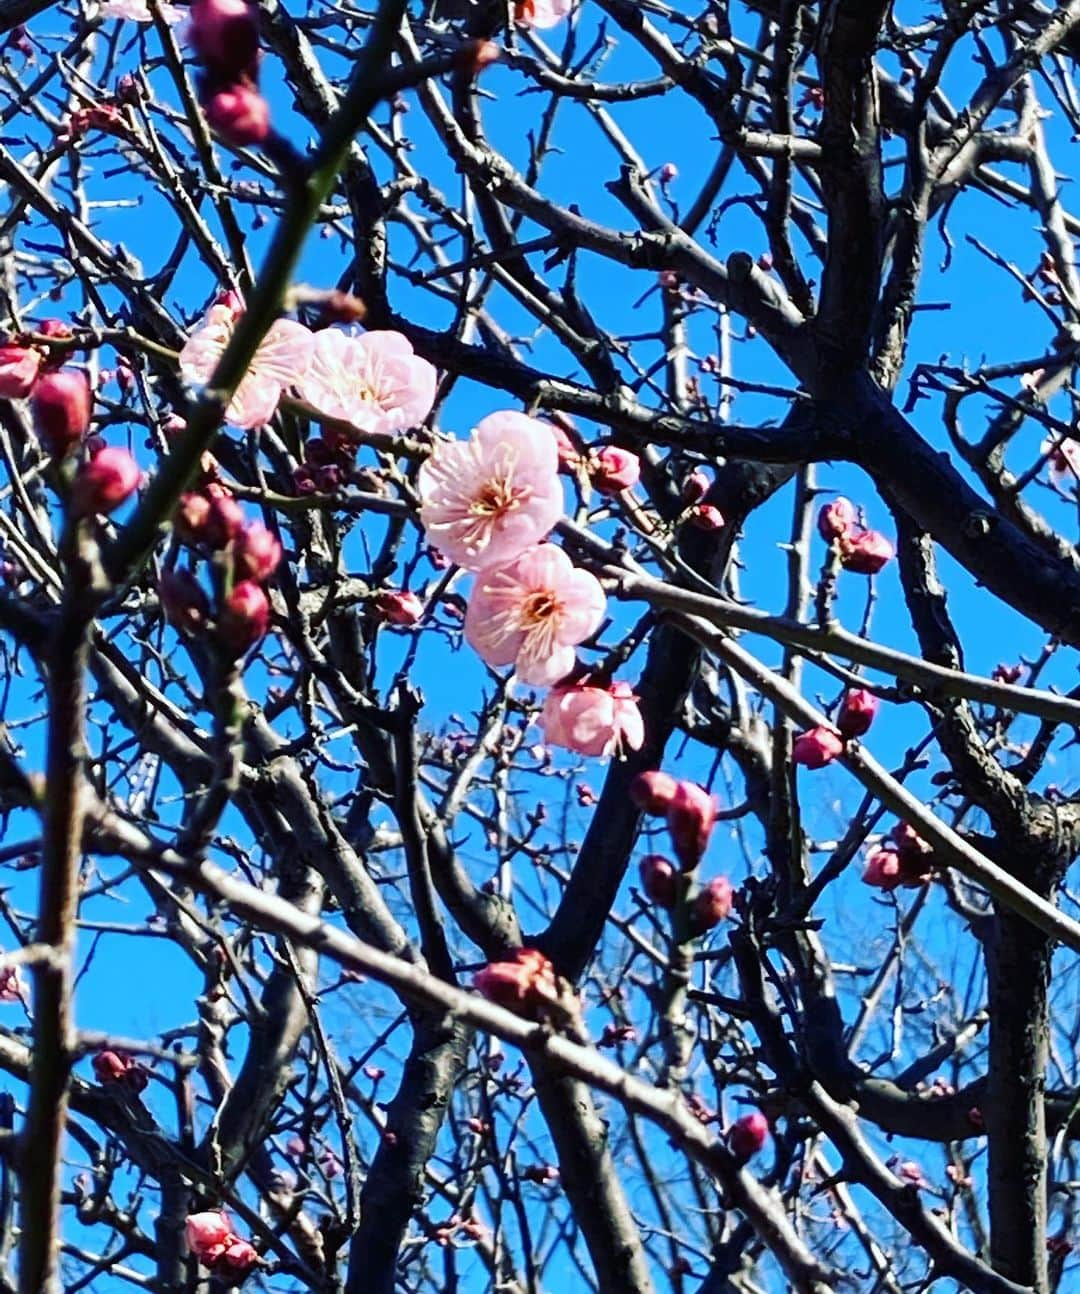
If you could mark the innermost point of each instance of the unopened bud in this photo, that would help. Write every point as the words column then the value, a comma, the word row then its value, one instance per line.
column 239, row 114
column 256, row 552
column 399, row 607
column 712, row 904
column 690, row 818
column 244, row 618
column 61, row 405
column 836, row 519
column 613, row 470
column 816, row 748
column 658, row 880
column 653, row 792
column 183, row 600
column 748, row 1135
column 865, row 553
column 857, row 712
column 226, row 38
column 104, row 482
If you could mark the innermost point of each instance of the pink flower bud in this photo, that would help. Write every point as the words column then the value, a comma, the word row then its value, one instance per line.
column 239, row 114
column 882, row 869
column 658, row 880
column 244, row 618
column 653, row 792
column 613, row 470
column 61, row 405
column 690, row 818
column 668, row 172
column 207, row 1234
column 521, row 984
column 857, row 712
column 225, row 518
column 225, row 36
column 705, row 517
column 816, row 748
column 399, row 607
column 668, row 280
column 712, row 904
column 695, row 487
column 119, row 1068
column 748, row 1135
column 256, row 552
column 866, row 552
column 836, row 519
column 183, row 601
column 191, row 518
column 916, row 856
column 104, row 482
column 19, row 366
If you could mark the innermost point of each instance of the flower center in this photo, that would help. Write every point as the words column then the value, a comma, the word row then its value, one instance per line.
column 539, row 608
column 493, row 499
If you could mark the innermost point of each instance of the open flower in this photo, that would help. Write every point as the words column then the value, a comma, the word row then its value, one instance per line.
column 532, row 612
column 593, row 720
column 372, row 380
column 485, row 500
column 280, row 362
column 541, row 13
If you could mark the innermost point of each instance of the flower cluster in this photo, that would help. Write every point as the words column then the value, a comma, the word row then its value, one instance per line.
column 902, row 859
column 212, row 524
column 821, row 745
column 488, row 504
column 219, row 1249
column 690, row 812
column 863, row 551
column 225, row 37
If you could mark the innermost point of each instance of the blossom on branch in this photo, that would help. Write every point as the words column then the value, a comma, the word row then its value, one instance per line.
column 524, row 983
column 532, row 612
column 541, row 14
column 593, row 720
column 373, row 380
column 281, row 362
column 485, row 500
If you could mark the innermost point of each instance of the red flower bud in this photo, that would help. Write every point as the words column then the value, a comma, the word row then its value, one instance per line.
column 695, row 487
column 61, row 404
column 748, row 1135
column 882, row 869
column 690, row 819
column 244, row 618
column 236, row 1262
column 398, row 607
column 705, row 517
column 104, row 482
column 712, row 904
column 239, row 114
column 613, row 470
column 658, row 880
column 866, row 552
column 117, row 1067
column 836, row 519
column 257, row 552
column 816, row 748
column 857, row 712
column 19, row 366
column 653, row 792
column 183, row 601
column 225, row 35
column 521, row 984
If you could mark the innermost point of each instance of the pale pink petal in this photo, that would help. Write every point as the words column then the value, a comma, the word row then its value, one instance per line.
column 532, row 612
column 206, row 345
column 373, row 380
column 541, row 14
column 254, row 401
column 284, row 353
column 485, row 500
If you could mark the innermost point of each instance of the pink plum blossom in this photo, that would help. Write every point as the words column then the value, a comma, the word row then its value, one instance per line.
column 532, row 612
column 280, row 362
column 1063, row 460
column 12, row 988
column 593, row 720
column 541, row 14
column 485, row 500
column 817, row 747
column 207, row 1235
column 19, row 367
column 372, row 380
